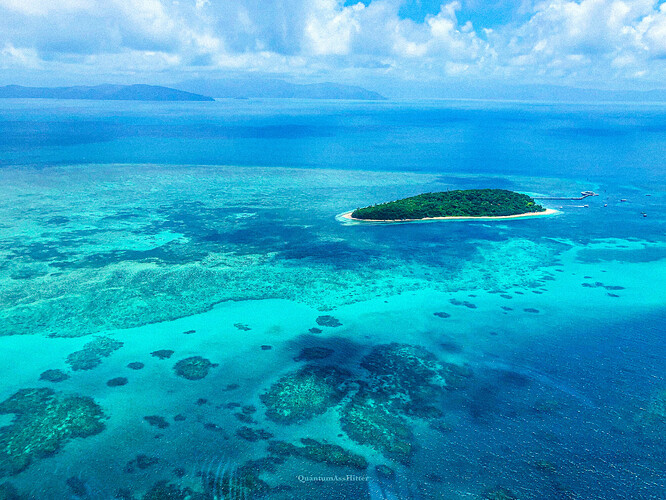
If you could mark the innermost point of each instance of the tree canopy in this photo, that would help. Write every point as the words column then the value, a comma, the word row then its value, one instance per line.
column 458, row 203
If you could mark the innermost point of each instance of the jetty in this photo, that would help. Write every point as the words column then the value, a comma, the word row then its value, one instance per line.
column 583, row 195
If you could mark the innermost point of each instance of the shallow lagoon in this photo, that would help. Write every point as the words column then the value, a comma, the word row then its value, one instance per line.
column 527, row 357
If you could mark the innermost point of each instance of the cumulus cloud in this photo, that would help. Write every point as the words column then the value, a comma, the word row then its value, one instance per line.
column 566, row 39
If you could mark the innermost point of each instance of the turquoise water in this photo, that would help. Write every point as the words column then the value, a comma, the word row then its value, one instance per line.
column 492, row 359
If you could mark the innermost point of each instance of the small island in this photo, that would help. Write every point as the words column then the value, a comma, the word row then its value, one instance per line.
column 457, row 204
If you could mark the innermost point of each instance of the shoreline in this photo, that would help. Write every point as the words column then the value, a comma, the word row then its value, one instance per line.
column 548, row 211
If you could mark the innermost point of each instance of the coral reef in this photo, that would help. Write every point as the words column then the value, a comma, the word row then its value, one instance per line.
column 368, row 419
column 54, row 376
column 164, row 490
column 193, row 368
column 384, row 471
column 141, row 462
column 412, row 370
column 117, row 382
column 315, row 451
column 328, row 320
column 157, row 421
column 92, row 353
column 250, row 434
column 305, row 393
column 465, row 303
column 162, row 353
column 229, row 482
column 44, row 421
column 135, row 365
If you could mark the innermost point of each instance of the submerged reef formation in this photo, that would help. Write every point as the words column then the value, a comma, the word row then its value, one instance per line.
column 652, row 418
column 156, row 421
column 413, row 372
column 162, row 354
column 93, row 353
column 456, row 203
column 193, row 368
column 315, row 451
column 54, row 376
column 117, row 382
column 368, row 419
column 305, row 393
column 656, row 410
column 404, row 381
column 328, row 320
column 164, row 490
column 253, row 435
column 141, row 462
column 44, row 421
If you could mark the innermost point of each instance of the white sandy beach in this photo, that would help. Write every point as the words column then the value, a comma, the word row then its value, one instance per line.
column 548, row 211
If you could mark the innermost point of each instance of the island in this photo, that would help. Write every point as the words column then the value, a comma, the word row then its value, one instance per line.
column 269, row 88
column 102, row 93
column 457, row 204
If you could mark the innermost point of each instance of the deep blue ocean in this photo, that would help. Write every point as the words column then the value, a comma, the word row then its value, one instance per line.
column 184, row 315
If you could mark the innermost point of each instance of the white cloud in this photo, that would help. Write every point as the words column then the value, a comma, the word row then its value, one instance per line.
column 566, row 39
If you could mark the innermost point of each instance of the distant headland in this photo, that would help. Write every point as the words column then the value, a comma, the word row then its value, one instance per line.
column 457, row 204
column 102, row 93
column 256, row 87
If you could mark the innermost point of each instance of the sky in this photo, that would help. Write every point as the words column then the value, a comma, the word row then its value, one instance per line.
column 609, row 44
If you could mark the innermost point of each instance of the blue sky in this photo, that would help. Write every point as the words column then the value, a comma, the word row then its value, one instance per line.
column 617, row 44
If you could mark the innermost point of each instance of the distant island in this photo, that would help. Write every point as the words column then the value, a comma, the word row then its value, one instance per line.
column 102, row 93
column 458, row 204
column 258, row 87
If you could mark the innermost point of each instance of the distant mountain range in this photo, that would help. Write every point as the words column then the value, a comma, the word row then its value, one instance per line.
column 272, row 88
column 103, row 92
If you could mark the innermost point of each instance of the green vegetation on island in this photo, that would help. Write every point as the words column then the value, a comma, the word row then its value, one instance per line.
column 458, row 203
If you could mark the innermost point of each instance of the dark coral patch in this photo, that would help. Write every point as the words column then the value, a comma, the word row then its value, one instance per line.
column 163, row 490
column 92, row 353
column 135, row 365
column 303, row 394
column 368, row 419
column 252, row 435
column 442, row 314
column 162, row 353
column 328, row 320
column 157, row 421
column 141, row 462
column 44, row 421
column 117, row 382
column 465, row 303
column 54, row 376
column 315, row 451
column 193, row 368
